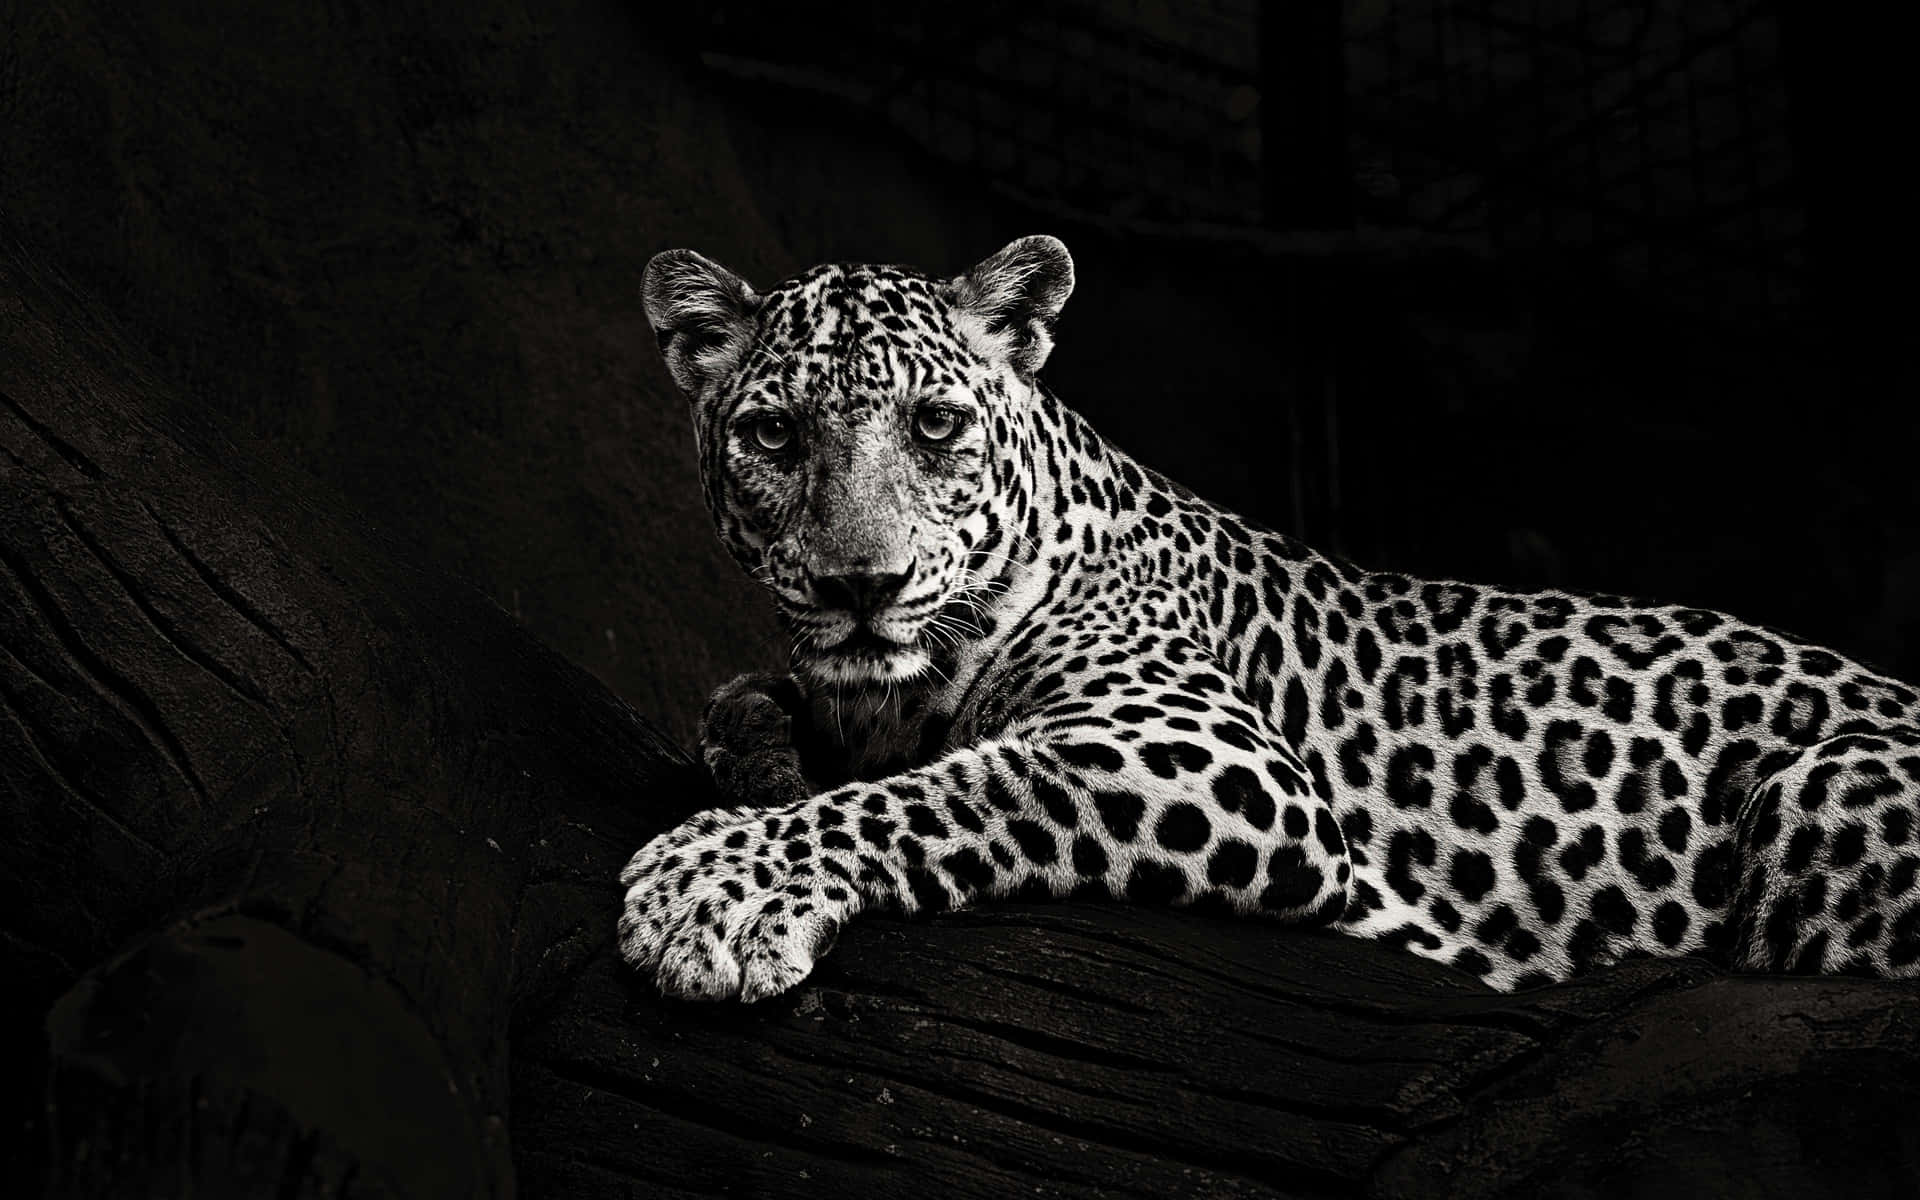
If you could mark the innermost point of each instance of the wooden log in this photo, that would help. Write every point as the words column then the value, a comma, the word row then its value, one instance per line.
column 311, row 892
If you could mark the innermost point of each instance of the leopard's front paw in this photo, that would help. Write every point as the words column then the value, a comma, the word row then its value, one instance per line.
column 747, row 739
column 731, row 905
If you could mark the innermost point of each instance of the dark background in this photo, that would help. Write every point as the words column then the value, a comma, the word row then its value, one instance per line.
column 1527, row 291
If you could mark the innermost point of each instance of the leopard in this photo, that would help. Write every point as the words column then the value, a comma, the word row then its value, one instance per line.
column 1025, row 665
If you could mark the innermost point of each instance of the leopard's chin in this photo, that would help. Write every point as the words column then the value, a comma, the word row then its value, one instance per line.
column 864, row 657
column 859, row 668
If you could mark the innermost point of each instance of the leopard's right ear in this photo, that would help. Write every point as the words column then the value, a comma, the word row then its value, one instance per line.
column 702, row 314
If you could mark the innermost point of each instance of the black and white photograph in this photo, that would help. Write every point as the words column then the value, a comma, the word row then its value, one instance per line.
column 1091, row 598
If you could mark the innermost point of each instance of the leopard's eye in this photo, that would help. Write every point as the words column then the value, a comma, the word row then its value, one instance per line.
column 771, row 433
column 935, row 424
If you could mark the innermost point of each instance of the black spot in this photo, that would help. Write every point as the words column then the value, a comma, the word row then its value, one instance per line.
column 1469, row 813
column 1738, row 712
column 1183, row 827
column 1555, row 763
column 1513, row 788
column 1238, row 789
column 1449, row 604
column 1366, row 654
column 1327, row 830
column 1402, row 697
column 1306, row 642
column 1410, row 935
column 1357, row 827
column 1613, row 910
column 1168, row 759
column 1903, row 947
column 1584, row 852
column 1294, row 822
column 1187, row 703
column 1233, row 864
column 1472, row 874
column 1523, row 945
column 1670, row 923
column 998, row 794
column 1781, row 931
column 1404, row 849
column 1322, row 786
column 1730, row 780
column 921, row 820
column 1156, row 883
column 1585, row 946
column 1652, row 871
column 1507, row 717
column 1089, row 858
column 1871, row 783
column 1233, row 735
column 1332, row 715
column 876, row 832
column 1849, row 845
column 1713, row 875
column 967, row 868
column 1619, row 703
column 1901, row 877
column 1293, row 725
column 1847, row 907
column 1801, row 847
column 1354, row 752
column 1496, row 925
column 1536, row 838
column 964, row 815
column 928, row 894
column 1034, row 841
column 1120, row 812
column 1292, row 881
column 1801, row 714
column 1586, row 673
column 1091, row 755
column 1472, row 961
column 1059, row 806
column 1598, row 758
column 1407, row 782
column 1636, row 789
column 1819, row 663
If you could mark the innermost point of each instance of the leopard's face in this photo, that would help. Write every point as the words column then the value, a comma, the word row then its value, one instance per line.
column 850, row 471
column 861, row 431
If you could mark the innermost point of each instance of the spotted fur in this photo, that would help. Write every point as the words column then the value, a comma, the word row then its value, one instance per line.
column 1037, row 667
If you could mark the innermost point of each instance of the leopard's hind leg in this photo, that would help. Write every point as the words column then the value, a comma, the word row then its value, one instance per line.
column 1828, row 851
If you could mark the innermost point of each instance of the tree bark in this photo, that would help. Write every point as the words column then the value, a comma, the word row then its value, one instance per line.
column 310, row 892
column 296, row 829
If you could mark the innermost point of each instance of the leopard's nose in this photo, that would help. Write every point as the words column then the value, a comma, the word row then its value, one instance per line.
column 861, row 593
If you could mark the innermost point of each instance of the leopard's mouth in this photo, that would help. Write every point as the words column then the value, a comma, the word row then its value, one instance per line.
column 865, row 655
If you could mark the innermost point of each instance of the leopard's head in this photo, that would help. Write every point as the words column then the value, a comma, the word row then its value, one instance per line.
column 865, row 437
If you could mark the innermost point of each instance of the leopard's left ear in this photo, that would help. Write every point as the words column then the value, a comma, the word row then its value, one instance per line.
column 701, row 312
column 1008, row 302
